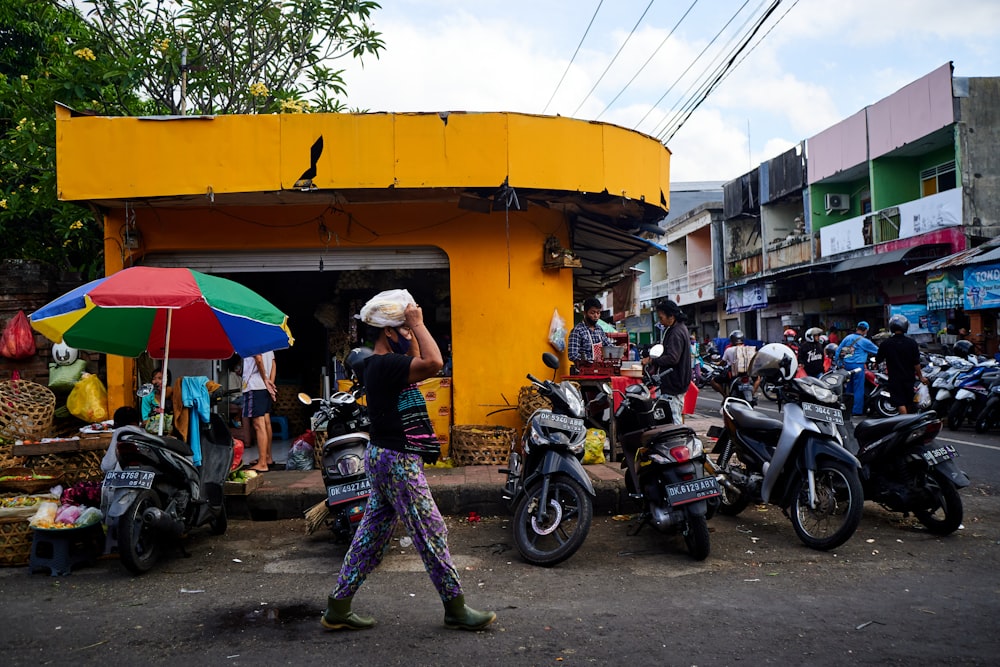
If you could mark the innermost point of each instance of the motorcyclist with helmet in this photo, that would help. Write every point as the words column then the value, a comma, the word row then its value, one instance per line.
column 902, row 362
column 852, row 354
column 736, row 359
column 965, row 349
column 790, row 338
column 811, row 352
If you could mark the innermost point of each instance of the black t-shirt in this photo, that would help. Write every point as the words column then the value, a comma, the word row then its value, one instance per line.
column 398, row 413
column 901, row 355
column 811, row 358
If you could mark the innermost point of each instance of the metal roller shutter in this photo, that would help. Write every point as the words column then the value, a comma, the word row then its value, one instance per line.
column 334, row 259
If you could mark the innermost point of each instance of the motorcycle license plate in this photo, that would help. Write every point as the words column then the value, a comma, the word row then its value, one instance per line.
column 135, row 479
column 822, row 413
column 696, row 489
column 560, row 421
column 940, row 455
column 336, row 493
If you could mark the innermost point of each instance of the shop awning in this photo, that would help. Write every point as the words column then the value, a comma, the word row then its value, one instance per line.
column 915, row 253
column 607, row 252
column 988, row 252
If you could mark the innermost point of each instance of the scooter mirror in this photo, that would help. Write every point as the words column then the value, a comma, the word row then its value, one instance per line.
column 305, row 398
column 606, row 388
column 550, row 360
column 656, row 351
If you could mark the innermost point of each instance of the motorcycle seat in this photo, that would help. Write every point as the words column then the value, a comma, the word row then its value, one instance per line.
column 871, row 430
column 632, row 440
column 748, row 419
column 166, row 442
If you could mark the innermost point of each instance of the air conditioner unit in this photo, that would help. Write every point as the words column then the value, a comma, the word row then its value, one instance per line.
column 835, row 202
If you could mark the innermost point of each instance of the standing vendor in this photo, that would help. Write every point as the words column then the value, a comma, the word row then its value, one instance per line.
column 587, row 339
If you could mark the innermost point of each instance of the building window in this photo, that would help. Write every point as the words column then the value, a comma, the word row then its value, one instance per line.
column 938, row 179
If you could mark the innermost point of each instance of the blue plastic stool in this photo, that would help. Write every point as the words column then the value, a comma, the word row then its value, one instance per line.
column 60, row 550
column 279, row 428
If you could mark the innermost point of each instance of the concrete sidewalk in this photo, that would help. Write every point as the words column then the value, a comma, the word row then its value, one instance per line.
column 457, row 491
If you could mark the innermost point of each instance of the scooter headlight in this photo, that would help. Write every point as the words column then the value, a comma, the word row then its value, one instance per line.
column 575, row 404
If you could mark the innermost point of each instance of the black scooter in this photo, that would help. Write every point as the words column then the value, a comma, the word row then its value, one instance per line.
column 665, row 470
column 345, row 422
column 547, row 487
column 159, row 494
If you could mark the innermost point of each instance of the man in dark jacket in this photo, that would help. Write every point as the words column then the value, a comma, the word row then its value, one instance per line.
column 902, row 361
column 674, row 365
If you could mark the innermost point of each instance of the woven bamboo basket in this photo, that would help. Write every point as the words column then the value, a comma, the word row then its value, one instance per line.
column 15, row 541
column 7, row 458
column 52, row 478
column 26, row 410
column 76, row 466
column 529, row 400
column 478, row 445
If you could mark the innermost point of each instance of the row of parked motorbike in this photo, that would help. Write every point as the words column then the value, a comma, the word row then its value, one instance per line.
column 810, row 463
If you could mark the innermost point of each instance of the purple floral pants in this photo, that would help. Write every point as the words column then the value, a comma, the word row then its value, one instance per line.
column 399, row 490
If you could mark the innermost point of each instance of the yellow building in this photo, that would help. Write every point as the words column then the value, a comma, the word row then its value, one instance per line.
column 319, row 211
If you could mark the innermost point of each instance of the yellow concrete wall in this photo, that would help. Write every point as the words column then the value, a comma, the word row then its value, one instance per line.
column 499, row 331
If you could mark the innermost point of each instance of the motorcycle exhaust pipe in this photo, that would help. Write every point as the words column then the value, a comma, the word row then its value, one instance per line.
column 715, row 471
column 156, row 519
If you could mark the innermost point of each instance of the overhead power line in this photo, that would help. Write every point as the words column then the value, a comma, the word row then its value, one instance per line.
column 570, row 63
column 618, row 53
column 652, row 55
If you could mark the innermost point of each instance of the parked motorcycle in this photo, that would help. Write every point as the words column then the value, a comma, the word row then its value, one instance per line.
column 989, row 418
column 796, row 463
column 944, row 383
column 972, row 390
column 665, row 470
column 159, row 495
column 904, row 469
column 345, row 422
column 549, row 491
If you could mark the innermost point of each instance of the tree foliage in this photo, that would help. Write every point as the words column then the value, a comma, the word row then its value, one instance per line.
column 145, row 57
column 235, row 56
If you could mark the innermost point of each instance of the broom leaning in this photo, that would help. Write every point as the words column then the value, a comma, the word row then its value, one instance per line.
column 316, row 516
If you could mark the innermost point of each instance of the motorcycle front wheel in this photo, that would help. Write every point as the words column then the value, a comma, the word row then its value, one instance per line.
column 945, row 516
column 884, row 408
column 552, row 540
column 956, row 415
column 770, row 391
column 839, row 503
column 138, row 545
column 696, row 537
column 987, row 421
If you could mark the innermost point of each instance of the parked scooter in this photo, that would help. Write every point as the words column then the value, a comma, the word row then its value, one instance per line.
column 797, row 463
column 547, row 487
column 664, row 466
column 345, row 422
column 904, row 469
column 972, row 390
column 159, row 494
column 989, row 418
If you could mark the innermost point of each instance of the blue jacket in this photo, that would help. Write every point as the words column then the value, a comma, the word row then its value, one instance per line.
column 861, row 346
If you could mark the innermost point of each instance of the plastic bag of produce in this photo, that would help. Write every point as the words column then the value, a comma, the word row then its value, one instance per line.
column 593, row 446
column 18, row 340
column 386, row 309
column 89, row 400
column 557, row 331
column 300, row 454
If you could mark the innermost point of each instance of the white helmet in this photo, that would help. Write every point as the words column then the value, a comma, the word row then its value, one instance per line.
column 774, row 361
column 63, row 354
column 813, row 334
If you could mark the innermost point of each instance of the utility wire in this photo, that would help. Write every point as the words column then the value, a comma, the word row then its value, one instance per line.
column 615, row 99
column 570, row 63
column 728, row 67
column 715, row 65
column 691, row 64
column 618, row 53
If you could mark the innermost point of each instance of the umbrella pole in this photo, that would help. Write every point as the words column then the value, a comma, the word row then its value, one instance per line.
column 166, row 360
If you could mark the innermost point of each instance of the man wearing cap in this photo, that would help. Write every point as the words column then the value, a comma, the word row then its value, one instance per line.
column 853, row 353
column 401, row 440
column 674, row 365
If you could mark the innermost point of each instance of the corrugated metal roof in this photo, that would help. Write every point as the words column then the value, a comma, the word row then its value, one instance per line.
column 988, row 252
column 890, row 257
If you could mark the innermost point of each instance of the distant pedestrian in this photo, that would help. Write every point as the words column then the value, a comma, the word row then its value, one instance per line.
column 902, row 362
column 674, row 365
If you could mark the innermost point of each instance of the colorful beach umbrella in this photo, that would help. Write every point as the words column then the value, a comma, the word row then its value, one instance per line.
column 166, row 312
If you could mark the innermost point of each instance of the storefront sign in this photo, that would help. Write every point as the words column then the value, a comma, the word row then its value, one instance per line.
column 929, row 214
column 944, row 290
column 982, row 286
column 842, row 236
column 748, row 297
column 922, row 320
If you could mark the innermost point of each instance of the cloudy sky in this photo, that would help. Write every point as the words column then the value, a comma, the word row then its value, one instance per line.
column 810, row 64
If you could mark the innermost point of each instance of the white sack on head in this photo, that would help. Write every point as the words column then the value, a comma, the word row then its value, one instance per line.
column 386, row 309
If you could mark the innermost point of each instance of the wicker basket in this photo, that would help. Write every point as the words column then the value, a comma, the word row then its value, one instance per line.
column 75, row 466
column 529, row 400
column 26, row 410
column 15, row 541
column 481, row 445
column 30, row 485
